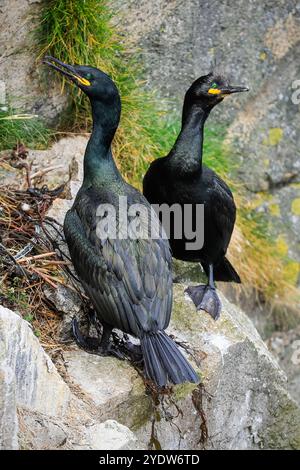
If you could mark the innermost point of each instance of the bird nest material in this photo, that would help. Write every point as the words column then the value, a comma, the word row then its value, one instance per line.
column 28, row 260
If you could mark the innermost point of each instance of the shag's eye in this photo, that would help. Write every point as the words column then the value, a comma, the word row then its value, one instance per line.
column 214, row 85
column 88, row 76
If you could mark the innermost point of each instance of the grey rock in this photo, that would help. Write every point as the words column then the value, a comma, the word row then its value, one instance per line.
column 21, row 73
column 111, row 435
column 285, row 346
column 242, row 403
column 33, row 371
column 244, row 388
column 8, row 411
column 43, row 432
column 68, row 302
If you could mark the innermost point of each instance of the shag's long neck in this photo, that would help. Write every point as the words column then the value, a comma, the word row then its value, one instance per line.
column 186, row 154
column 99, row 165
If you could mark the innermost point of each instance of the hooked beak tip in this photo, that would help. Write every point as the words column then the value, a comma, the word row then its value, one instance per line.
column 236, row 89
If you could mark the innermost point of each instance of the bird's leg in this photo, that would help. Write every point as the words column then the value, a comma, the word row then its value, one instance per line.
column 87, row 343
column 95, row 322
column 93, row 346
column 205, row 297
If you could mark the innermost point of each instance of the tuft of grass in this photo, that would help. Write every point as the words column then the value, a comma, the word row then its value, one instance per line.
column 81, row 32
column 26, row 128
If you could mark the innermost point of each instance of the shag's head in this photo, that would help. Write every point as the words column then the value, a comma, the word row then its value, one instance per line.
column 210, row 90
column 93, row 82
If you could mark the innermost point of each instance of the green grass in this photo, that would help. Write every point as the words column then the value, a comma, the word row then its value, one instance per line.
column 80, row 31
column 24, row 128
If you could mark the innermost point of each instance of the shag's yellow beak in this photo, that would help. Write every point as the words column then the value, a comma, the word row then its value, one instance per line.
column 214, row 91
column 228, row 90
column 82, row 80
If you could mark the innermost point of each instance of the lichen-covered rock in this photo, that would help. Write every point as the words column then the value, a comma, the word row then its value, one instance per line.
column 243, row 403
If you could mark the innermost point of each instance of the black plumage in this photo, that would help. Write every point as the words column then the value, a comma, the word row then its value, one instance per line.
column 181, row 178
column 128, row 280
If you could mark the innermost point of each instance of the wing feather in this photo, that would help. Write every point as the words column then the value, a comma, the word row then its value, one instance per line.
column 129, row 281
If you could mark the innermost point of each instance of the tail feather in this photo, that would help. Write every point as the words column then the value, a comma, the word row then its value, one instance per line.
column 224, row 271
column 164, row 362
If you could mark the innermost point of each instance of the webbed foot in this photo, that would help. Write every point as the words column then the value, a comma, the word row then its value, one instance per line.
column 205, row 298
column 93, row 345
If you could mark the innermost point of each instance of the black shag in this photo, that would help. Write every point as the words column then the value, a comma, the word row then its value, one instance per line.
column 181, row 178
column 128, row 280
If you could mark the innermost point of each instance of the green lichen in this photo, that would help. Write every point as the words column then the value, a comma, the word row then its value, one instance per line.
column 274, row 137
column 274, row 210
column 262, row 56
column 284, row 433
column 295, row 208
column 183, row 390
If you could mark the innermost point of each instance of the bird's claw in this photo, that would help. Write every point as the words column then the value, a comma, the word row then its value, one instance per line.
column 205, row 298
column 92, row 345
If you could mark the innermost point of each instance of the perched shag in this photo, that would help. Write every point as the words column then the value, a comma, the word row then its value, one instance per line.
column 128, row 280
column 181, row 178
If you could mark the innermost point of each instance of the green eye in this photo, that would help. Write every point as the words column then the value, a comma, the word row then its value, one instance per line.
column 214, row 85
column 88, row 76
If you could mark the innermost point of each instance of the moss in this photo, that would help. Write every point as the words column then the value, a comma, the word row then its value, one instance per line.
column 284, row 432
column 184, row 315
column 136, row 410
column 295, row 208
column 274, row 137
column 274, row 210
column 183, row 390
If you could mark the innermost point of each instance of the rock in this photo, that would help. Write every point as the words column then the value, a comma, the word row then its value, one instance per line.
column 8, row 410
column 20, row 71
column 45, row 432
column 285, row 346
column 100, row 403
column 2, row 94
column 37, row 384
column 113, row 386
column 185, row 272
column 244, row 402
column 111, row 435
column 234, row 348
column 66, row 155
column 68, row 303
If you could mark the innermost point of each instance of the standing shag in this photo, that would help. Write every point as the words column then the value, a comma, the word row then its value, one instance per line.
column 128, row 280
column 181, row 178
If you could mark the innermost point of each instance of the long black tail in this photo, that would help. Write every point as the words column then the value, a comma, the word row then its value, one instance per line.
column 164, row 362
column 224, row 271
